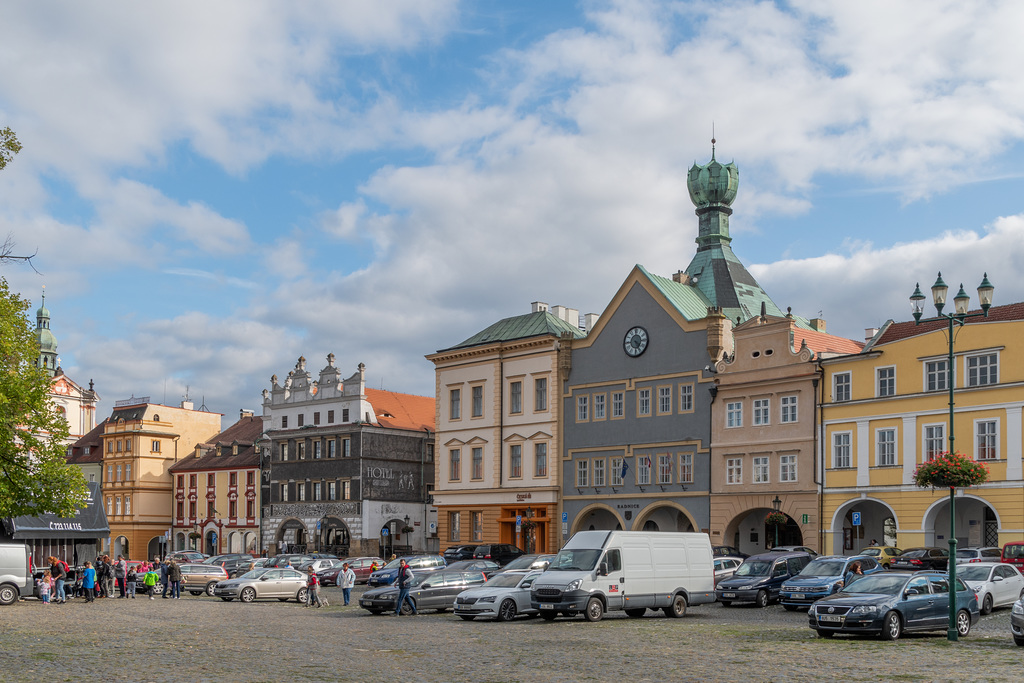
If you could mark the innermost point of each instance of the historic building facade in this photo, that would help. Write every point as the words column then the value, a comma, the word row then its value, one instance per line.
column 346, row 468
column 497, row 478
column 216, row 492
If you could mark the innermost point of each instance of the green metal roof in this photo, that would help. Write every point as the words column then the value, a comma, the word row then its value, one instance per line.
column 522, row 327
column 689, row 301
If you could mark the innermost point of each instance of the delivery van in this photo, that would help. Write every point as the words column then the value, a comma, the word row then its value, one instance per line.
column 15, row 573
column 633, row 571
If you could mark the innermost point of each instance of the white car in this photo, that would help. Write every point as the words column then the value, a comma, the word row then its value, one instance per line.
column 726, row 567
column 504, row 597
column 996, row 584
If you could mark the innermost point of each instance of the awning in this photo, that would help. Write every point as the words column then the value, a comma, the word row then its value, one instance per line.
column 90, row 522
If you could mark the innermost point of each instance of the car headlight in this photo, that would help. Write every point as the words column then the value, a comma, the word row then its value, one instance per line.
column 864, row 609
column 788, row 588
column 1018, row 607
column 574, row 585
column 744, row 588
column 489, row 598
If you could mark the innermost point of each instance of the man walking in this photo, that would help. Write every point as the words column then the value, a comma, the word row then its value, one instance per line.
column 348, row 581
column 174, row 577
column 164, row 577
column 120, row 572
column 403, row 581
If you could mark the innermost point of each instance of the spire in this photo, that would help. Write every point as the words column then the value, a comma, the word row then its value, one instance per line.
column 45, row 339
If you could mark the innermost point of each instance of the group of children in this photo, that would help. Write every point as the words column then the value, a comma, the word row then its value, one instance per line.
column 86, row 583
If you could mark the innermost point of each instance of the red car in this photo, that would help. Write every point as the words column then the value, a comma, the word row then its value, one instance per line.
column 360, row 565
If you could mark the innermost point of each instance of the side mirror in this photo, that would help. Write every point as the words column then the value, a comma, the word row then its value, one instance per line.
column 425, row 585
column 603, row 569
column 997, row 578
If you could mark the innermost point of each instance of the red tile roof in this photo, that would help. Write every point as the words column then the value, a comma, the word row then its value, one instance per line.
column 91, row 440
column 820, row 342
column 402, row 411
column 905, row 330
column 244, row 433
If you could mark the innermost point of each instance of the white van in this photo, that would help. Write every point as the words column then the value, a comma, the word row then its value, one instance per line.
column 15, row 573
column 633, row 571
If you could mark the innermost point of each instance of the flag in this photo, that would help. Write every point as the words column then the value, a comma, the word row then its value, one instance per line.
column 625, row 467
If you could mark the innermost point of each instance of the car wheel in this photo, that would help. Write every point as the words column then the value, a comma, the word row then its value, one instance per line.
column 548, row 615
column 227, row 599
column 892, row 627
column 406, row 609
column 677, row 610
column 1019, row 640
column 963, row 623
column 507, row 611
column 595, row 610
column 762, row 598
column 825, row 634
column 469, row 617
column 247, row 594
column 8, row 594
column 636, row 613
column 196, row 592
column 986, row 604
column 210, row 587
column 789, row 608
column 301, row 595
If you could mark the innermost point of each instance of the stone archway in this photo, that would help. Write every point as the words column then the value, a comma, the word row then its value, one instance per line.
column 749, row 533
column 120, row 546
column 598, row 516
column 878, row 525
column 977, row 522
column 333, row 536
column 665, row 516
column 291, row 536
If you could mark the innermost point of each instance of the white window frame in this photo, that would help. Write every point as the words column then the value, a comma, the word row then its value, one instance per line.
column 847, row 386
column 842, row 450
column 582, row 473
column 686, row 397
column 762, row 410
column 643, row 470
column 686, row 468
column 889, row 383
column 600, row 406
column 477, row 394
column 643, row 402
column 929, row 440
column 664, row 400
column 540, row 394
column 540, row 457
column 940, row 377
column 615, row 473
column 760, row 465
column 993, row 436
column 887, row 448
column 454, row 464
column 789, row 409
column 477, row 463
column 618, row 405
column 734, row 470
column 598, row 472
column 665, row 468
column 734, row 414
column 515, row 461
column 583, row 408
column 788, row 467
column 991, row 371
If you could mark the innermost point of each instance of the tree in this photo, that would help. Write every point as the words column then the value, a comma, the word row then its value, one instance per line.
column 9, row 146
column 34, row 475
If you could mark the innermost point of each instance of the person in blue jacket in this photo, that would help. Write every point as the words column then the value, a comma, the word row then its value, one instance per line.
column 89, row 582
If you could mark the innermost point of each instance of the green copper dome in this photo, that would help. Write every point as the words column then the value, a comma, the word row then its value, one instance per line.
column 713, row 184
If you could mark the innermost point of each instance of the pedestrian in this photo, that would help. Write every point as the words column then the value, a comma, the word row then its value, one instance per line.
column 120, row 572
column 852, row 574
column 44, row 584
column 131, row 579
column 348, row 581
column 89, row 582
column 164, row 577
column 312, row 589
column 60, row 575
column 150, row 580
column 108, row 577
column 174, row 578
column 403, row 581
column 874, row 542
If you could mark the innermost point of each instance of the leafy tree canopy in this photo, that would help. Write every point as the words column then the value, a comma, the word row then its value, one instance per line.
column 34, row 475
column 9, row 146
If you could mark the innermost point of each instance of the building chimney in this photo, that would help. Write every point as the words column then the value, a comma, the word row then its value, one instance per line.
column 817, row 324
column 681, row 277
column 538, row 307
column 572, row 316
column 188, row 405
column 243, row 413
column 558, row 312
column 870, row 332
column 589, row 320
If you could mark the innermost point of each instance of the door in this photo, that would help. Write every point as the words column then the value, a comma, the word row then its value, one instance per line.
column 780, row 572
column 270, row 584
column 615, row 588
column 1006, row 590
column 919, row 605
column 939, row 613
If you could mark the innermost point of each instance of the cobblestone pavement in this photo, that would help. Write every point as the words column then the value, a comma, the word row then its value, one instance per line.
column 205, row 639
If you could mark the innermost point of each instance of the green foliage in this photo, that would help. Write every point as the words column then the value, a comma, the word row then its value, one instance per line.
column 9, row 146
column 34, row 475
column 950, row 470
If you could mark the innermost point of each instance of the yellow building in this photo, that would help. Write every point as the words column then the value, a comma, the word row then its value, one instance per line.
column 141, row 441
column 886, row 410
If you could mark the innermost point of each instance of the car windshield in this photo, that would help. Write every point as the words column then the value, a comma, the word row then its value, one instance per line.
column 973, row 572
column 1014, row 551
column 505, row 581
column 574, row 560
column 393, row 564
column 254, row 574
column 883, row 584
column 871, row 552
column 522, row 562
column 966, row 554
column 755, row 568
column 823, row 568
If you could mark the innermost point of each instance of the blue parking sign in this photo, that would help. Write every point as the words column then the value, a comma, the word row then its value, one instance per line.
column 855, row 518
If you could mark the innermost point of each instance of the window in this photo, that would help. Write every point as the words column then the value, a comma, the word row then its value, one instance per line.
column 686, row 468
column 317, row 491
column 192, row 509
column 300, row 491
column 685, row 398
column 346, row 448
column 985, row 438
column 250, row 478
column 127, row 505
column 540, row 394
column 454, row 524
column 599, row 406
column 128, row 446
column 454, row 464
column 982, row 369
column 617, row 404
column 934, row 437
column 540, row 460
column 192, row 481
column 233, row 479
column 787, row 468
column 300, row 449
column 734, row 414
column 734, row 471
column 665, row 468
column 582, row 473
column 211, row 480
column 841, row 387
column 760, row 469
column 936, row 375
column 344, row 414
column 841, row 457
column 301, row 419
column 582, row 408
column 478, row 464
column 885, row 454
column 643, row 470
column 250, row 509
column 128, row 472
column 180, row 509
column 478, row 526
column 181, row 481
column 788, row 409
column 332, row 490
column 346, row 490
column 332, row 449
column 664, row 400
column 284, row 422
column 119, row 450
column 117, row 505
column 643, row 402
column 110, row 447
column 478, row 401
column 455, row 404
column 598, row 467
column 316, row 449
column 616, row 473
column 284, row 451
column 316, row 418
column 515, row 397
column 110, row 473
column 156, row 446
column 232, row 509
column 886, row 381
column 762, row 410
column 118, row 470
column 430, row 452
column 210, row 511
column 330, row 417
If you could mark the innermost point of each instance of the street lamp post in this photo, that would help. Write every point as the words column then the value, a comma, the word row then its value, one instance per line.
column 956, row 318
column 777, row 506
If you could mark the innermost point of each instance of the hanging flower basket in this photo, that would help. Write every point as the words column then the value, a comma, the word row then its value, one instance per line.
column 950, row 470
column 776, row 519
column 407, row 529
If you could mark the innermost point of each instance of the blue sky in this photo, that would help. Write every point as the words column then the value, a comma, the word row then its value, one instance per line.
column 216, row 188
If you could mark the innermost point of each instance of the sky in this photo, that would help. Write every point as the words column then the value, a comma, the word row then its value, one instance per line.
column 213, row 189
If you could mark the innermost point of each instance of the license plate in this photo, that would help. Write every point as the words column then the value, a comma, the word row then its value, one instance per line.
column 543, row 606
column 830, row 617
column 797, row 596
column 728, row 595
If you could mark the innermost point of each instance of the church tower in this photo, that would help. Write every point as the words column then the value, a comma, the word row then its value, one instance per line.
column 47, row 342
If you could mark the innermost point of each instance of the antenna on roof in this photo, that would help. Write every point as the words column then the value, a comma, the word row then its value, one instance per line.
column 202, row 406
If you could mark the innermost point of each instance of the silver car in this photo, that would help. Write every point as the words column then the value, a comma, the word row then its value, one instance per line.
column 260, row 584
column 504, row 597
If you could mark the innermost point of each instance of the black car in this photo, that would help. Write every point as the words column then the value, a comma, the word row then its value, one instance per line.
column 916, row 559
column 760, row 578
column 457, row 553
column 727, row 551
column 502, row 553
column 435, row 590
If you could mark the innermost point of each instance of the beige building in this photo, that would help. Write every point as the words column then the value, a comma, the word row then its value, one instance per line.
column 141, row 442
column 764, row 421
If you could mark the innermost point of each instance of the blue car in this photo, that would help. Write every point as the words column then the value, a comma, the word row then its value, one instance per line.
column 888, row 603
column 823, row 576
column 760, row 577
column 418, row 563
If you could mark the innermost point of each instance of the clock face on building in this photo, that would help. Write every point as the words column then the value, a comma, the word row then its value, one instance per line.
column 635, row 342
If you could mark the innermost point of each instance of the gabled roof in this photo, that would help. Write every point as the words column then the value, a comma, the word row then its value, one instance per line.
column 402, row 411
column 691, row 303
column 211, row 456
column 521, row 327
column 820, row 342
column 894, row 331
column 94, row 441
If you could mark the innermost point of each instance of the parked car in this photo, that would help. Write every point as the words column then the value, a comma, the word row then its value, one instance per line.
column 180, row 556
column 459, row 552
column 823, row 576
column 996, row 584
column 432, row 590
column 485, row 566
column 233, row 563
column 1013, row 553
column 882, row 553
column 760, row 578
column 15, row 573
column 522, row 562
column 794, row 549
column 318, row 565
column 285, row 560
column 260, row 584
column 728, row 551
column 502, row 553
column 361, row 567
column 968, row 555
column 726, row 567
column 917, row 559
column 418, row 563
column 502, row 598
column 889, row 603
column 201, row 578
column 1017, row 622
